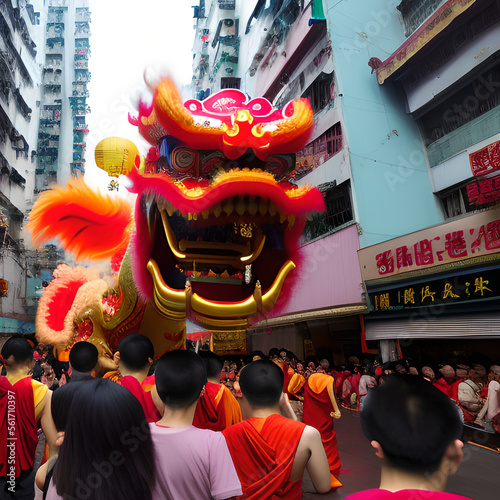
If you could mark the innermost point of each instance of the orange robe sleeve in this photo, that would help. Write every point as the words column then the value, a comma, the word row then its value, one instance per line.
column 231, row 407
column 217, row 408
column 319, row 408
column 263, row 451
column 145, row 398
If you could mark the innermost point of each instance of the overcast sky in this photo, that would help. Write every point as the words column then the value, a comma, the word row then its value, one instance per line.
column 128, row 37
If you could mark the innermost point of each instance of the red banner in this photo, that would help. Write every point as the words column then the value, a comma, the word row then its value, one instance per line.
column 485, row 160
column 484, row 191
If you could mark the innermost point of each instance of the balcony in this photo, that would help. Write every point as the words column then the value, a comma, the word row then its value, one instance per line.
column 473, row 132
column 55, row 42
column 226, row 4
column 52, row 88
column 21, row 104
column 81, row 64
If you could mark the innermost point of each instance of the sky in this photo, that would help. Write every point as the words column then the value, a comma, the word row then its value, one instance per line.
column 128, row 38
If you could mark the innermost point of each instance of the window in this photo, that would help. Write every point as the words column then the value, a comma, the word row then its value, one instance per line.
column 470, row 102
column 456, row 202
column 415, row 13
column 319, row 92
column 338, row 212
column 319, row 151
column 334, row 139
column 230, row 83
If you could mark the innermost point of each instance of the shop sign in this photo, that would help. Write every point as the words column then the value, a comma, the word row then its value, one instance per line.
column 486, row 160
column 485, row 191
column 476, row 236
column 4, row 288
column 230, row 342
column 478, row 285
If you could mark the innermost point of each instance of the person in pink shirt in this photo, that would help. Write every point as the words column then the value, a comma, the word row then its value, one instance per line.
column 416, row 430
column 190, row 462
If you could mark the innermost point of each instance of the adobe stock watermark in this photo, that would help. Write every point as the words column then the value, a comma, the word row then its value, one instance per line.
column 11, row 441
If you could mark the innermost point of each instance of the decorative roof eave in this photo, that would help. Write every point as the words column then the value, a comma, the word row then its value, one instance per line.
column 442, row 18
column 326, row 314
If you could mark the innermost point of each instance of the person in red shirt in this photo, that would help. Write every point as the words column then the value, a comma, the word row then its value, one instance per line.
column 217, row 408
column 134, row 358
column 24, row 404
column 271, row 452
column 416, row 430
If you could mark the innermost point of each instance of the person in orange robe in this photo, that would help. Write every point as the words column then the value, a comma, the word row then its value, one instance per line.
column 271, row 452
column 24, row 403
column 319, row 408
column 288, row 373
column 217, row 408
column 134, row 358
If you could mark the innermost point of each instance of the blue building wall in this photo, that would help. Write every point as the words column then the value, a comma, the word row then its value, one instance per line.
column 392, row 189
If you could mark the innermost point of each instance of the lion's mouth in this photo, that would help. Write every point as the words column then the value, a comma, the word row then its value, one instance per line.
column 229, row 261
column 208, row 252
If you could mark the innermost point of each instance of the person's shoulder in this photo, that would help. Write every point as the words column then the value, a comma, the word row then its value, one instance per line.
column 310, row 434
column 39, row 388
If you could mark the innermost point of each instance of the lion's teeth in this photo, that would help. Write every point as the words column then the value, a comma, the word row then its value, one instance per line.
column 263, row 206
column 228, row 207
column 240, row 206
column 253, row 206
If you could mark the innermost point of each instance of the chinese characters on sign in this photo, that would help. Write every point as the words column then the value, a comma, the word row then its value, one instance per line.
column 484, row 191
column 230, row 342
column 471, row 286
column 444, row 248
column 485, row 160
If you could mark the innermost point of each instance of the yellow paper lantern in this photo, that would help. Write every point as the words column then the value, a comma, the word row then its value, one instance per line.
column 116, row 156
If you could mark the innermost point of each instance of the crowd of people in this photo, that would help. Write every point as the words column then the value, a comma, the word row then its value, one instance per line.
column 194, row 425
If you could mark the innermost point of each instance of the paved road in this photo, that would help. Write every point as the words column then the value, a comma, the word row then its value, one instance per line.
column 477, row 478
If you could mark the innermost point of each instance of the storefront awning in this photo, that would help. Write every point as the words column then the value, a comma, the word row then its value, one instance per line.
column 484, row 325
column 436, row 23
column 330, row 313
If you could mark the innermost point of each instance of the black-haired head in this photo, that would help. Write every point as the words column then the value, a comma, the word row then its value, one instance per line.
column 179, row 378
column 60, row 404
column 213, row 363
column 105, row 417
column 136, row 351
column 261, row 383
column 413, row 421
column 19, row 348
column 83, row 357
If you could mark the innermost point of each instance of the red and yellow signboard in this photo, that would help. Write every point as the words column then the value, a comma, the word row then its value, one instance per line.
column 486, row 160
column 452, row 242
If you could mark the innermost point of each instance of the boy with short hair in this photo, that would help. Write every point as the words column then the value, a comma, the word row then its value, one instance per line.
column 272, row 452
column 83, row 359
column 134, row 357
column 192, row 462
column 416, row 430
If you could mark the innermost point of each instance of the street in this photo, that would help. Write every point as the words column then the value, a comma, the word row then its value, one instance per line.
column 477, row 477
